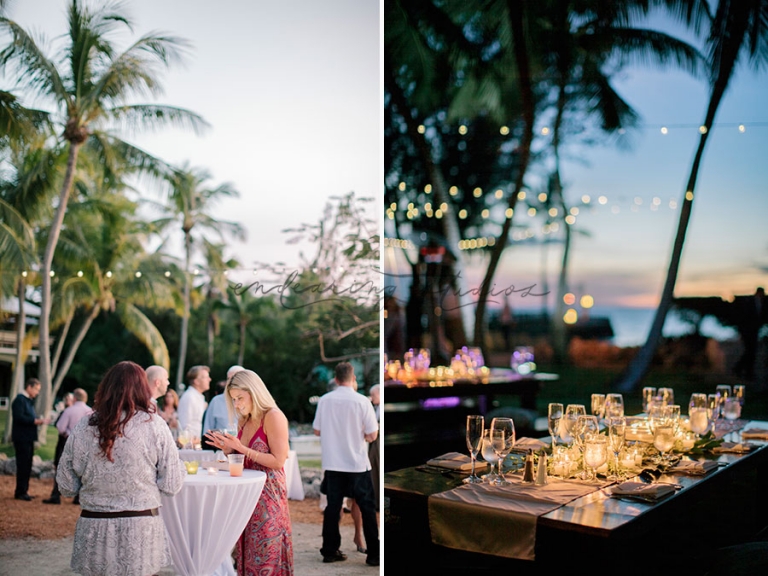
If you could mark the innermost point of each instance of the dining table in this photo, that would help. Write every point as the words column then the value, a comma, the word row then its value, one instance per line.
column 433, row 514
column 205, row 519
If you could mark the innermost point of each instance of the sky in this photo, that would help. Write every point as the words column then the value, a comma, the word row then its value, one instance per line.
column 292, row 92
column 621, row 258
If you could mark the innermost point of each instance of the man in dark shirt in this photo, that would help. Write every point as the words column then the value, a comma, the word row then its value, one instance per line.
column 24, row 434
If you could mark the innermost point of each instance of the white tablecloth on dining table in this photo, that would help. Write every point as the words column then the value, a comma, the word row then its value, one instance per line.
column 205, row 519
column 293, row 477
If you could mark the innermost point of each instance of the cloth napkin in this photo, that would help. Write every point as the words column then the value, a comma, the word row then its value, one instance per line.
column 693, row 468
column 456, row 461
column 731, row 448
column 641, row 490
column 754, row 434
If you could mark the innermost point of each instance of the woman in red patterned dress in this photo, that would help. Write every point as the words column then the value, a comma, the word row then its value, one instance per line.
column 265, row 548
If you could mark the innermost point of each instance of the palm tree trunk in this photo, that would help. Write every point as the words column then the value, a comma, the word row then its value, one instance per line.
column 86, row 325
column 211, row 336
column 60, row 343
column 185, row 313
column 517, row 25
column 641, row 363
column 448, row 221
column 45, row 399
column 18, row 366
column 559, row 337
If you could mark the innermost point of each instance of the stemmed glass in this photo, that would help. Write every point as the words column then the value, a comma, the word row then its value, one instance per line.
column 664, row 439
column 731, row 408
column 617, row 428
column 595, row 454
column 738, row 392
column 598, row 406
column 649, row 392
column 697, row 413
column 585, row 428
column 475, row 426
column 503, row 439
column 489, row 455
column 713, row 409
column 554, row 417
column 572, row 413
column 667, row 396
column 614, row 405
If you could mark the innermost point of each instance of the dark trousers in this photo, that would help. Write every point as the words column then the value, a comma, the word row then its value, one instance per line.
column 55, row 494
column 25, row 449
column 356, row 485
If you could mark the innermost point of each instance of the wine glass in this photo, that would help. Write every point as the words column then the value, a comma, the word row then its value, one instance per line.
column 617, row 428
column 595, row 454
column 554, row 417
column 503, row 439
column 649, row 392
column 667, row 396
column 585, row 428
column 698, row 400
column 671, row 413
column 489, row 455
column 598, row 405
column 475, row 426
column 664, row 440
column 738, row 392
column 731, row 408
column 572, row 413
column 614, row 405
column 698, row 417
column 713, row 409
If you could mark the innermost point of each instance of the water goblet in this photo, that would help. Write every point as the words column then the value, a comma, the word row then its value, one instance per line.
column 489, row 455
column 585, row 428
column 698, row 400
column 731, row 408
column 713, row 409
column 598, row 405
column 617, row 428
column 671, row 413
column 664, row 440
column 698, row 416
column 503, row 440
column 475, row 426
column 554, row 417
column 595, row 454
column 614, row 405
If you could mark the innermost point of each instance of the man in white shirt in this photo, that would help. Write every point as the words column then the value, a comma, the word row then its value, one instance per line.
column 217, row 415
column 192, row 403
column 346, row 422
column 65, row 424
column 157, row 376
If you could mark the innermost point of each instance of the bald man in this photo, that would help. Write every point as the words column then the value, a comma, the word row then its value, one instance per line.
column 157, row 376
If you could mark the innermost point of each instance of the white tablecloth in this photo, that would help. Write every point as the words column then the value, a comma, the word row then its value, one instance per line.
column 188, row 455
column 205, row 519
column 293, row 477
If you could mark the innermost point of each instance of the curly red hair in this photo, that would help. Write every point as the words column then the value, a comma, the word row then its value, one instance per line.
column 122, row 394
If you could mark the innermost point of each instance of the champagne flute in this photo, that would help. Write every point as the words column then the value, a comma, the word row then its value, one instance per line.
column 598, row 405
column 617, row 428
column 475, row 425
column 554, row 417
column 503, row 439
column 489, row 455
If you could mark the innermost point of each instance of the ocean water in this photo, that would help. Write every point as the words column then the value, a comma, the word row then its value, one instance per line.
column 631, row 325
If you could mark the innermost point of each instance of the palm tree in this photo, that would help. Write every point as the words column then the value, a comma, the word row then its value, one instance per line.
column 739, row 30
column 190, row 203
column 90, row 83
column 216, row 271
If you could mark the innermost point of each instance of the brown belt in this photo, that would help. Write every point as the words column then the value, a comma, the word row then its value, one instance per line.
column 122, row 514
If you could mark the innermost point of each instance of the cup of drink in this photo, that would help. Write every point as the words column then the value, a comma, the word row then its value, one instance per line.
column 236, row 462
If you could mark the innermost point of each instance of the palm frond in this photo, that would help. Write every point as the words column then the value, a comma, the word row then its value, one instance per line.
column 147, row 333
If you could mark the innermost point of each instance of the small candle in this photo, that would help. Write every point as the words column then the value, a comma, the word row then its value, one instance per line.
column 213, row 471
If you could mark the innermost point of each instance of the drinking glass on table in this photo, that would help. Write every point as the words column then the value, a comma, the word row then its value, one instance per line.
column 489, row 455
column 572, row 413
column 713, row 409
column 475, row 426
column 614, row 405
column 731, row 408
column 664, row 440
column 598, row 406
column 617, row 428
column 554, row 417
column 503, row 440
column 698, row 417
column 671, row 413
column 738, row 392
column 649, row 393
column 667, row 396
column 595, row 454
column 586, row 427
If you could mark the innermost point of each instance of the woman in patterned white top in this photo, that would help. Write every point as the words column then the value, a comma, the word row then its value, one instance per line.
column 120, row 460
